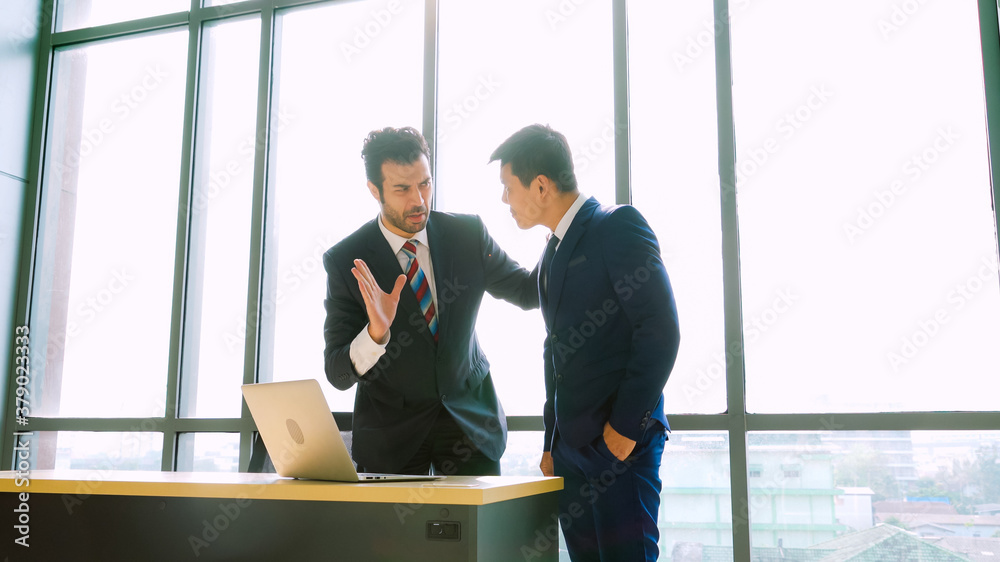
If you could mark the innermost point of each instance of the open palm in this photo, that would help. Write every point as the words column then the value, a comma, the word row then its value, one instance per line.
column 381, row 306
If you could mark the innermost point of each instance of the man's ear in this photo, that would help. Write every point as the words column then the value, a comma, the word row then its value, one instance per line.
column 546, row 187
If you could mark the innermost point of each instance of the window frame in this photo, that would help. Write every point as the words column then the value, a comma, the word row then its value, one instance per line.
column 736, row 421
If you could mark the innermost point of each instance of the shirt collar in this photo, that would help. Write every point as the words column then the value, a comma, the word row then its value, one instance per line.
column 567, row 218
column 396, row 241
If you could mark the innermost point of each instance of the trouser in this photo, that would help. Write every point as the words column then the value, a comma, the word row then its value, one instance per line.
column 450, row 452
column 608, row 508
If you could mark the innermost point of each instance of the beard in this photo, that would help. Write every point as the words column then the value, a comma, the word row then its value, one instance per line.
column 399, row 221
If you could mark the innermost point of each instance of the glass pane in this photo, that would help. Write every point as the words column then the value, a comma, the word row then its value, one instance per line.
column 220, row 220
column 98, row 451
column 321, row 195
column 208, row 452
column 109, row 226
column 523, row 453
column 696, row 516
column 74, row 14
column 491, row 84
column 675, row 183
column 876, row 494
column 868, row 249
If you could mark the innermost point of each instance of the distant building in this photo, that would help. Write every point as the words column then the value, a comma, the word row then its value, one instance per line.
column 853, row 508
column 877, row 544
column 945, row 524
column 975, row 549
column 791, row 491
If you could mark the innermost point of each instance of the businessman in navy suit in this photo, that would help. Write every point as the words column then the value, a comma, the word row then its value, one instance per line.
column 403, row 293
column 612, row 338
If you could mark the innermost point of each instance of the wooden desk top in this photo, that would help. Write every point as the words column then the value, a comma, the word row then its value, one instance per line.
column 454, row 490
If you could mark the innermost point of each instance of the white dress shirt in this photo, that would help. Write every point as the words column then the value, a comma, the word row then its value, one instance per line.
column 567, row 218
column 365, row 352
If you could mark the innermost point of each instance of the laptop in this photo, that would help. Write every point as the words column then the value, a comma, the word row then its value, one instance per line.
column 301, row 436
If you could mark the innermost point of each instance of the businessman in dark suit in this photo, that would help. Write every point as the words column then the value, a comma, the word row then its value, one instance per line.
column 403, row 293
column 612, row 338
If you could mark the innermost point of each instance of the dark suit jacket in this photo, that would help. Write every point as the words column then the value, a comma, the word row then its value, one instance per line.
column 612, row 327
column 398, row 399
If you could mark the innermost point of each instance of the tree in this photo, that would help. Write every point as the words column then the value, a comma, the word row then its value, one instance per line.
column 864, row 466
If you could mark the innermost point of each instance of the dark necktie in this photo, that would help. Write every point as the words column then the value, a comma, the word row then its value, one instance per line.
column 421, row 288
column 550, row 250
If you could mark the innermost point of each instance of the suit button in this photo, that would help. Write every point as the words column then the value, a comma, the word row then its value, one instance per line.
column 555, row 338
column 443, row 396
column 558, row 378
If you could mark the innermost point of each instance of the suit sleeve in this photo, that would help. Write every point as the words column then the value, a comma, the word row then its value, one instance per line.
column 505, row 278
column 643, row 290
column 345, row 318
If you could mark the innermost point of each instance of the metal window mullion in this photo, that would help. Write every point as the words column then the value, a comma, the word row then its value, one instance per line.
column 253, row 345
column 120, row 29
column 619, row 23
column 881, row 421
column 30, row 220
column 732, row 297
column 182, row 248
column 430, row 92
column 142, row 425
column 989, row 34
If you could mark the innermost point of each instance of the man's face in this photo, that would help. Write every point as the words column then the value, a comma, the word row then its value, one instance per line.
column 406, row 196
column 520, row 199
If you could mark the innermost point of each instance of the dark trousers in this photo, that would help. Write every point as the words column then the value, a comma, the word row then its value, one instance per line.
column 608, row 508
column 450, row 452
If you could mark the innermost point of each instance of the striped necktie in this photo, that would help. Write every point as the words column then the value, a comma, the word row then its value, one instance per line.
column 418, row 282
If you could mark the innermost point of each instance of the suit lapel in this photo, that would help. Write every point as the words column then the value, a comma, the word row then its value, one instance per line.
column 560, row 262
column 444, row 269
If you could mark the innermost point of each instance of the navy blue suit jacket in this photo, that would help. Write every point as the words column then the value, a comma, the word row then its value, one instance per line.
column 612, row 330
column 398, row 399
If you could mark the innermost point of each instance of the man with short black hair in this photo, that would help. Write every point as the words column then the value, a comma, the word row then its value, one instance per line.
column 612, row 338
column 403, row 294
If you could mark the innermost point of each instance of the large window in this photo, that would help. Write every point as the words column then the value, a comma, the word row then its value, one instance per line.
column 867, row 237
column 819, row 178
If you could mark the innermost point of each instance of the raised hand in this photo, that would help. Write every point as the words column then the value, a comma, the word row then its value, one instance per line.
column 381, row 306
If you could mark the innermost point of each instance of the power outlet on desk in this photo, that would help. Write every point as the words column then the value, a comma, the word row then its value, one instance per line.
column 444, row 530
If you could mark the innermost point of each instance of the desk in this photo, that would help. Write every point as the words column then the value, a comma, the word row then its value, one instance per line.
column 172, row 516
